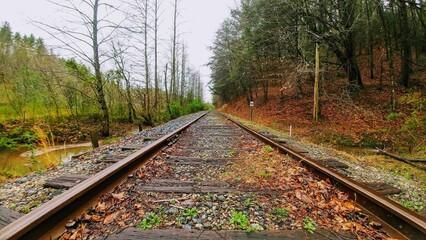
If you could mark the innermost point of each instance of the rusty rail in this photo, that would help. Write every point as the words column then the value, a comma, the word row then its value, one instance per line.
column 49, row 220
column 398, row 221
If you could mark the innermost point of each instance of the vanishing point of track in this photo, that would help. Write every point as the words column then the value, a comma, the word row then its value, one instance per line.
column 49, row 220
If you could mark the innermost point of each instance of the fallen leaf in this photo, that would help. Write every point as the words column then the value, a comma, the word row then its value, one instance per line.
column 322, row 185
column 122, row 224
column 100, row 207
column 350, row 206
column 118, row 196
column 125, row 216
column 65, row 236
column 110, row 217
column 97, row 218
column 170, row 223
column 76, row 235
column 298, row 194
column 141, row 213
column 351, row 226
column 87, row 216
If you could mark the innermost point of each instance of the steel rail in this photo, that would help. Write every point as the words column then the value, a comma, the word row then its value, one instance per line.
column 398, row 221
column 48, row 221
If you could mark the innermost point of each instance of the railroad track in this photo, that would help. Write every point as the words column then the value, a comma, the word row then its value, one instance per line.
column 213, row 180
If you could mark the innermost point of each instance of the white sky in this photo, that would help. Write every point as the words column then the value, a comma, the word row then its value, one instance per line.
column 199, row 20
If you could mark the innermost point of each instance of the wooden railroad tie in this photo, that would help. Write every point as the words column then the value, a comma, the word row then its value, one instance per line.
column 65, row 181
column 8, row 216
column 110, row 159
column 383, row 188
column 178, row 186
column 333, row 163
column 174, row 234
column 130, row 147
column 281, row 140
column 197, row 161
column 297, row 150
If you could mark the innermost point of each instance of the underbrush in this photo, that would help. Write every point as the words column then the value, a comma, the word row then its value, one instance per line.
column 176, row 110
column 17, row 136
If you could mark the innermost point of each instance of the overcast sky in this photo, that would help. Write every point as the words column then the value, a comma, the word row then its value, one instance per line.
column 199, row 21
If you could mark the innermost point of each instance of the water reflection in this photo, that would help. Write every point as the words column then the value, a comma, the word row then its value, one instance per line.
column 14, row 163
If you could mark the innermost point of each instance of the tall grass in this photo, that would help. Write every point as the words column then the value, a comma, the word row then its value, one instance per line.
column 44, row 143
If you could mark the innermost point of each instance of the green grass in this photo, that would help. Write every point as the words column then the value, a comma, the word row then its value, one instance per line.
column 281, row 212
column 150, row 220
column 309, row 225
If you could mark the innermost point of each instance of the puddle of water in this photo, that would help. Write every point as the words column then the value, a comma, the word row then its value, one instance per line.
column 14, row 163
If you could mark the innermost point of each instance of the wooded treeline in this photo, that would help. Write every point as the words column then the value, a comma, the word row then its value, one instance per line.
column 272, row 43
column 118, row 68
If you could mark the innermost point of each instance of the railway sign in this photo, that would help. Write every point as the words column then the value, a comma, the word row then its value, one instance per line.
column 251, row 110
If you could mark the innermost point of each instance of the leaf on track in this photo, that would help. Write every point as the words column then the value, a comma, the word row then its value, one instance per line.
column 111, row 217
column 118, row 196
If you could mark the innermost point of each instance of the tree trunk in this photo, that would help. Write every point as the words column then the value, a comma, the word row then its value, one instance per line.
column 405, row 45
column 156, row 84
column 354, row 75
column 166, row 90
column 173, row 86
column 370, row 39
column 316, row 112
column 98, row 76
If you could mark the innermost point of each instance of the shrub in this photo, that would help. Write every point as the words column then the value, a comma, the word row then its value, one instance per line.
column 6, row 143
column 28, row 137
column 175, row 110
column 195, row 106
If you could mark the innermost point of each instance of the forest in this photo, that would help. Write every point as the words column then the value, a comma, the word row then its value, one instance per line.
column 114, row 70
column 353, row 72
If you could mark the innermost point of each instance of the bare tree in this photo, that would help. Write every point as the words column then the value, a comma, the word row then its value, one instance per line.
column 125, row 74
column 174, row 72
column 91, row 30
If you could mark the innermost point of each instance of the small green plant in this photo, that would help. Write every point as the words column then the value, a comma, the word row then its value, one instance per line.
column 267, row 149
column 309, row 225
column 239, row 219
column 25, row 209
column 408, row 176
column 231, row 153
column 393, row 116
column 189, row 212
column 150, row 220
column 160, row 208
column 264, row 173
column 417, row 206
column 186, row 213
column 13, row 207
column 208, row 196
column 281, row 212
column 34, row 204
column 248, row 202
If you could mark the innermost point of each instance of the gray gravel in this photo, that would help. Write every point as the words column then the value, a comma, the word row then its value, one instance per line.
column 412, row 192
column 26, row 193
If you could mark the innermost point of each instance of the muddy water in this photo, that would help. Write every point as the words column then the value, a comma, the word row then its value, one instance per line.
column 21, row 161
